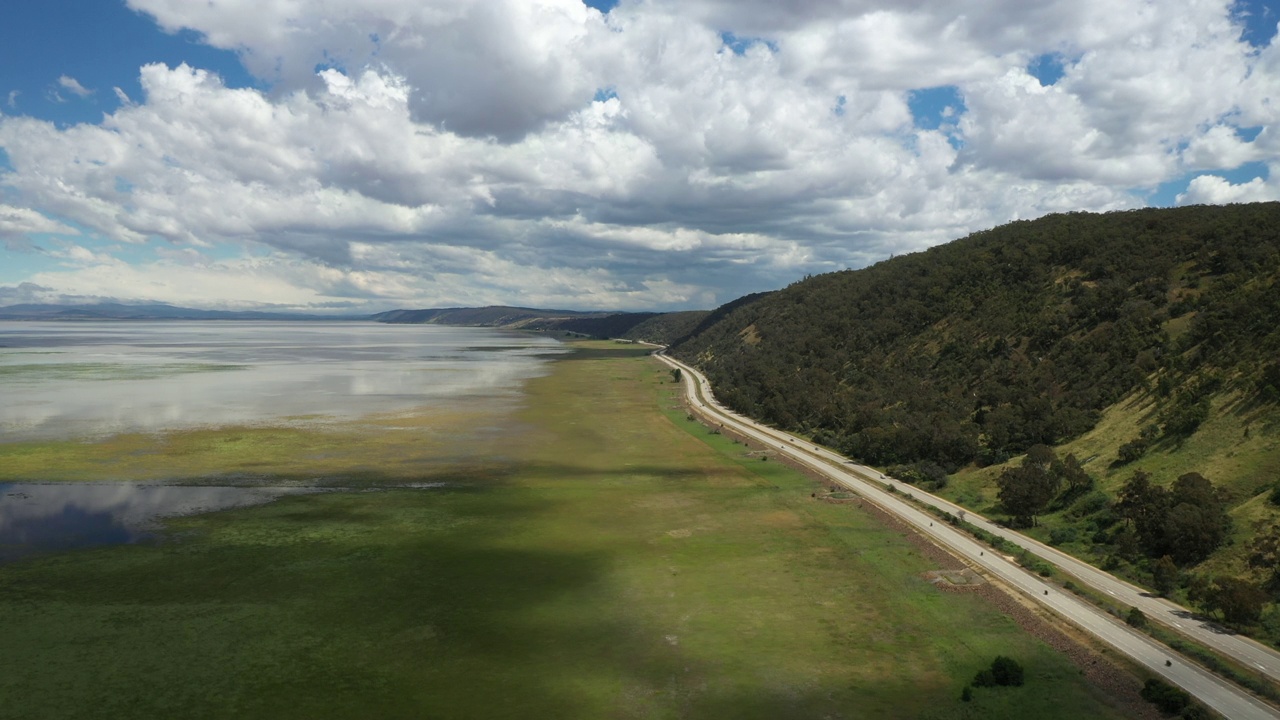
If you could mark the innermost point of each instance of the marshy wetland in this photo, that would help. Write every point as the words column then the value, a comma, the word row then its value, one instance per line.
column 561, row 542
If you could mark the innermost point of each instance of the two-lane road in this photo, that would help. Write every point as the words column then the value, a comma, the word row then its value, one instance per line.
column 1224, row 697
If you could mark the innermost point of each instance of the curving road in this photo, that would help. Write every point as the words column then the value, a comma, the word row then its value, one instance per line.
column 1224, row 697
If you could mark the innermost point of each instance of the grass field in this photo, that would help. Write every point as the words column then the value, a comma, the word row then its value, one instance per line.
column 446, row 445
column 614, row 561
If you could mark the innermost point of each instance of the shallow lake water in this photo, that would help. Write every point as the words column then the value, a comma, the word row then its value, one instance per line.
column 88, row 380
column 82, row 379
column 36, row 518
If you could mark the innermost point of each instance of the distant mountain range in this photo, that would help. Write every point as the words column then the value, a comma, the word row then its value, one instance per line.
column 493, row 316
column 656, row 327
column 156, row 311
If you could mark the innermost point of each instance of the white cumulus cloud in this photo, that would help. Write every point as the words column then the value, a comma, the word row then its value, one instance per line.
column 70, row 84
column 665, row 154
column 1215, row 190
column 23, row 221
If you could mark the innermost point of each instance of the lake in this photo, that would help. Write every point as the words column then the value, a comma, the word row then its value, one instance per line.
column 86, row 381
column 46, row 517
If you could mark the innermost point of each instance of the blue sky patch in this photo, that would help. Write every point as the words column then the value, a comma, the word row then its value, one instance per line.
column 934, row 107
column 604, row 95
column 841, row 101
column 20, row 266
column 1047, row 68
column 603, row 6
column 329, row 64
column 1167, row 193
column 101, row 45
column 1249, row 134
column 1259, row 18
column 740, row 43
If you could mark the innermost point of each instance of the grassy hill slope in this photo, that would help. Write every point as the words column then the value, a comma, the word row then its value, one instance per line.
column 1136, row 341
column 976, row 350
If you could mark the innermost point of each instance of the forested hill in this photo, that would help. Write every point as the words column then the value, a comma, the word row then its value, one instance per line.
column 655, row 327
column 978, row 349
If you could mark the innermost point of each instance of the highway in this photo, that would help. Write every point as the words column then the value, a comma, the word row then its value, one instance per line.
column 1222, row 696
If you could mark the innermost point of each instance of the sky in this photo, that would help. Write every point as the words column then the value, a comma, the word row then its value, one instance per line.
column 330, row 156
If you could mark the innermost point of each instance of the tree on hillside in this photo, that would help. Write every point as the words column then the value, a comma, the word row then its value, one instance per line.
column 1267, row 386
column 1264, row 555
column 1185, row 415
column 1200, row 593
column 1137, row 447
column 929, row 475
column 1196, row 522
column 1042, row 456
column 1025, row 491
column 1077, row 481
column 1164, row 575
column 1239, row 600
column 1131, row 451
column 1187, row 522
column 1140, row 502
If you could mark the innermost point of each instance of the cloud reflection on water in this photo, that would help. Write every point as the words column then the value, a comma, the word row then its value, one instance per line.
column 38, row 518
column 277, row 370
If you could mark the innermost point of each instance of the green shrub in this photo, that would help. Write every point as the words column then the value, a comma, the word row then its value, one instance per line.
column 1136, row 618
column 1184, row 416
column 1131, row 451
column 1004, row 671
column 1007, row 671
column 1169, row 699
column 1090, row 503
column 1195, row 712
column 1062, row 535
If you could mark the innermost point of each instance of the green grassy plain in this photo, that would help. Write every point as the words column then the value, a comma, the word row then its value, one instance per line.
column 380, row 449
column 614, row 561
